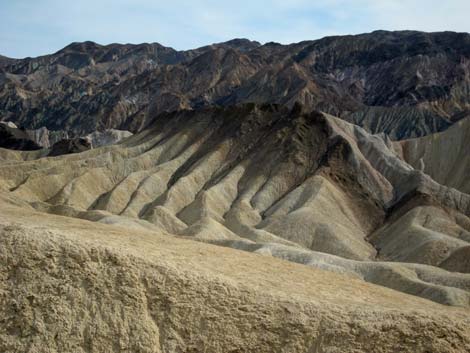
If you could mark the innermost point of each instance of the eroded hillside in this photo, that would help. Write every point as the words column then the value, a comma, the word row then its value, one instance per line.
column 175, row 240
column 306, row 187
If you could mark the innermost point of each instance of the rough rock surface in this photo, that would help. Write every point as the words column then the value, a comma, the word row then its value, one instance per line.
column 46, row 139
column 174, row 240
column 406, row 84
column 306, row 187
column 55, row 143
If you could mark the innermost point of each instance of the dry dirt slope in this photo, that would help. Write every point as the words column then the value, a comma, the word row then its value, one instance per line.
column 72, row 285
column 308, row 188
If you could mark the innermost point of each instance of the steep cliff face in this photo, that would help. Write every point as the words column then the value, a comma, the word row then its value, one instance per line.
column 406, row 84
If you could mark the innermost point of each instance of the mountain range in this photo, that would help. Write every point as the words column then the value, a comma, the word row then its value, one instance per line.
column 405, row 84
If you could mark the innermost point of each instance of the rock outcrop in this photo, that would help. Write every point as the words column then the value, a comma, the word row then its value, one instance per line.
column 68, row 146
column 45, row 138
column 107, row 137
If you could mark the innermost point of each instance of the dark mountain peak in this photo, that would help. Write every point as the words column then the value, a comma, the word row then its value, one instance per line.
column 242, row 44
column 272, row 44
column 81, row 47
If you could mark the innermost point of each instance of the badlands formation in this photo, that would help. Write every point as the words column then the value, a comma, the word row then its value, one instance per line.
column 247, row 228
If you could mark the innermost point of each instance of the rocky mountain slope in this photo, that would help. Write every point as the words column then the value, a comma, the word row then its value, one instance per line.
column 405, row 84
column 238, row 197
column 14, row 138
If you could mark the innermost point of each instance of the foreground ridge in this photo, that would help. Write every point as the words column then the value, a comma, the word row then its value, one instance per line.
column 75, row 285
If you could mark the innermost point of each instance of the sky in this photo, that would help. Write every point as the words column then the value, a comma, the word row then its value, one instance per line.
column 38, row 27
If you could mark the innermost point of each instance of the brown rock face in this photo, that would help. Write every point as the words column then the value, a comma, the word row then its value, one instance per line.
column 405, row 84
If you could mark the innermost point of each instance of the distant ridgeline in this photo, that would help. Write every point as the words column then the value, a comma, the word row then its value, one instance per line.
column 405, row 84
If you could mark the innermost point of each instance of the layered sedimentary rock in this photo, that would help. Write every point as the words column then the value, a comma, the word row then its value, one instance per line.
column 306, row 187
column 107, row 137
column 174, row 239
column 68, row 146
column 45, row 138
column 405, row 84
